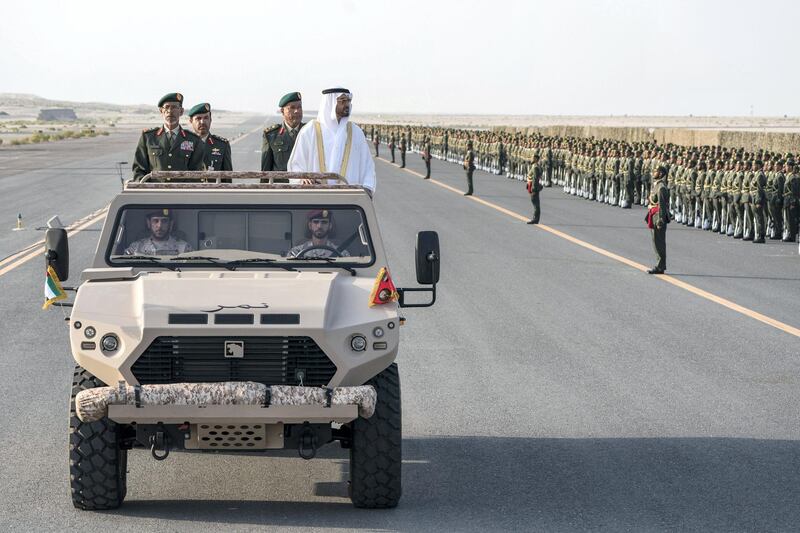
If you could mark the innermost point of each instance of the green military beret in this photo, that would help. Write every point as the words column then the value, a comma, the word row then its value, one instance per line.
column 289, row 98
column 200, row 108
column 171, row 97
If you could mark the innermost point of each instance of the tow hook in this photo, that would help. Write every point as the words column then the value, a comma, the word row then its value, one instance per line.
column 158, row 443
column 308, row 443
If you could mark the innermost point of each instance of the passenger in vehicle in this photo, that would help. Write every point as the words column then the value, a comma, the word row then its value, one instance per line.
column 160, row 241
column 319, row 227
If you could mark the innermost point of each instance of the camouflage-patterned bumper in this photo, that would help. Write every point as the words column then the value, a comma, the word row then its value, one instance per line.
column 253, row 398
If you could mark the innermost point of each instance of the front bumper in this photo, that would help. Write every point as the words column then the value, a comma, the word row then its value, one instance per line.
column 239, row 402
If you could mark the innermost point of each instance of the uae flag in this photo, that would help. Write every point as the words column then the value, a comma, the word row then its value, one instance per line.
column 53, row 291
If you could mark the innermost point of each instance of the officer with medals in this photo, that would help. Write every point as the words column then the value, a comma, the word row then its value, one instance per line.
column 161, row 241
column 218, row 149
column 169, row 147
column 278, row 140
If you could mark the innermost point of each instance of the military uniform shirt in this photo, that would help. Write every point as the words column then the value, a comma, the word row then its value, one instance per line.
column 150, row 246
column 218, row 153
column 276, row 147
column 156, row 152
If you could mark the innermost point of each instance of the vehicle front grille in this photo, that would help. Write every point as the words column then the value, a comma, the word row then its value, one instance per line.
column 268, row 360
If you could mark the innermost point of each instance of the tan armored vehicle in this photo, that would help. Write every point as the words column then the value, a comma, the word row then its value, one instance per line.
column 237, row 315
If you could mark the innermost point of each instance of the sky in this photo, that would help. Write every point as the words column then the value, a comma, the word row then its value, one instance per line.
column 564, row 57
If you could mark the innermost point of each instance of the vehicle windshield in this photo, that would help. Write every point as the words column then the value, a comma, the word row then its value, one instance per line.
column 241, row 237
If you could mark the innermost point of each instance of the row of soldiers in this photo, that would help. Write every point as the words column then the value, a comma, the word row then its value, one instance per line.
column 743, row 194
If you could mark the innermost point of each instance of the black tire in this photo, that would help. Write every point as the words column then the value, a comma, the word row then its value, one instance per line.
column 97, row 465
column 376, row 453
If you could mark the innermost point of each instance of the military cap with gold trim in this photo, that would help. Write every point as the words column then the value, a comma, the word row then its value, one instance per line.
column 164, row 212
column 200, row 108
column 171, row 97
column 319, row 213
column 289, row 98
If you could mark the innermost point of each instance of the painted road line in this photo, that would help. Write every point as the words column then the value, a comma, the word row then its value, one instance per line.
column 14, row 261
column 755, row 315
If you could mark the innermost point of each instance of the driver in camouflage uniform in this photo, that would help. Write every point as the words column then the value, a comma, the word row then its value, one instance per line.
column 161, row 241
column 320, row 226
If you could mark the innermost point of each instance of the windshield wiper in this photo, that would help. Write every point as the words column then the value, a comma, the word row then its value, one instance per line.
column 262, row 260
column 214, row 260
column 329, row 260
column 150, row 258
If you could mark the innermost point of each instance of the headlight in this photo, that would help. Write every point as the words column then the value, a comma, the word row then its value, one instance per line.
column 109, row 343
column 90, row 332
column 358, row 343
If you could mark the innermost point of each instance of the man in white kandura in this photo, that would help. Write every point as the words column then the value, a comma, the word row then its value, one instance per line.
column 331, row 143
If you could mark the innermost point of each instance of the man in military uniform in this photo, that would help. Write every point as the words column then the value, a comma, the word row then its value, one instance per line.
column 774, row 191
column 376, row 141
column 791, row 202
column 391, row 145
column 278, row 140
column 218, row 149
column 169, row 147
column 658, row 218
column 469, row 166
column 758, row 202
column 319, row 228
column 403, row 148
column 160, row 241
column 534, row 186
column 426, row 156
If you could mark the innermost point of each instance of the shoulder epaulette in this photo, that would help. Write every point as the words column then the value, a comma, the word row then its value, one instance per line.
column 223, row 139
column 272, row 128
column 149, row 130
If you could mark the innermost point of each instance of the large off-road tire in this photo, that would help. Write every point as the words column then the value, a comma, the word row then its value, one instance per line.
column 376, row 449
column 97, row 465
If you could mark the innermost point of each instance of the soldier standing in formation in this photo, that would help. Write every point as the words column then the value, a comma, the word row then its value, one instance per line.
column 376, row 141
column 278, row 140
column 469, row 166
column 534, row 186
column 218, row 149
column 426, row 156
column 391, row 145
column 169, row 147
column 791, row 203
column 403, row 148
column 658, row 218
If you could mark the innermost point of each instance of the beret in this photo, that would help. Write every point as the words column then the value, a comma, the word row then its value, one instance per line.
column 160, row 213
column 319, row 213
column 200, row 108
column 171, row 97
column 289, row 98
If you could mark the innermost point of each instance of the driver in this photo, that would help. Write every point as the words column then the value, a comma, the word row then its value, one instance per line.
column 161, row 241
column 319, row 226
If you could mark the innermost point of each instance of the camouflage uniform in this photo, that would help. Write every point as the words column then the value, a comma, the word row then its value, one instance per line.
column 151, row 246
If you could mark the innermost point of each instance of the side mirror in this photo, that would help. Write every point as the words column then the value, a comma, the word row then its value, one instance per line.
column 57, row 251
column 427, row 258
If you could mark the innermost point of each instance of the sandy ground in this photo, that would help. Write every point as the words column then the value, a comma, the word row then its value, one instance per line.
column 22, row 112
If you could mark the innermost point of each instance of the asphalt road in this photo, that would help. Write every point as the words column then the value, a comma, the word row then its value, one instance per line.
column 550, row 388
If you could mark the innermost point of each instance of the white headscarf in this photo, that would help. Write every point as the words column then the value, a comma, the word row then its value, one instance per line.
column 334, row 131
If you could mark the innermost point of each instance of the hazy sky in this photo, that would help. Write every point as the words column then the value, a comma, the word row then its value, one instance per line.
column 533, row 57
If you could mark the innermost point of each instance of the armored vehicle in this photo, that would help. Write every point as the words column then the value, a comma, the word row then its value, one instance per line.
column 226, row 312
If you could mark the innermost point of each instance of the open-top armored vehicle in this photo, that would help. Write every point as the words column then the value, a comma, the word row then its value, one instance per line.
column 237, row 314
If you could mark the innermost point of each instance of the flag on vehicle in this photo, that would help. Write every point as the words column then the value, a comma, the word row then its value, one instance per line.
column 53, row 291
column 384, row 290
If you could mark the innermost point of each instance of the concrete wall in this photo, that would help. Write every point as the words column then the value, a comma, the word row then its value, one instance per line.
column 749, row 140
